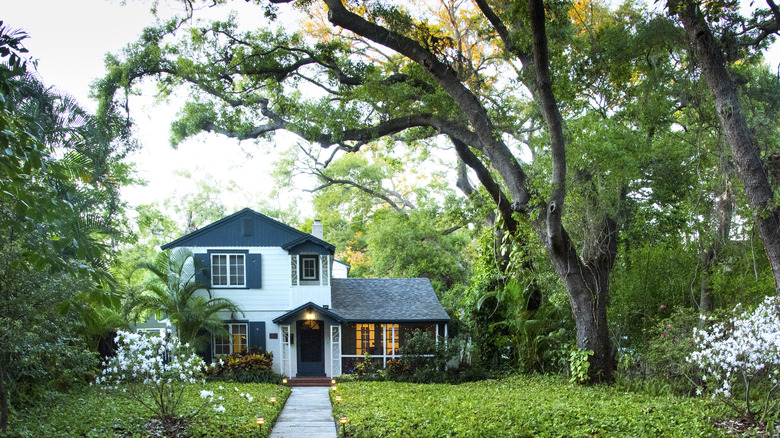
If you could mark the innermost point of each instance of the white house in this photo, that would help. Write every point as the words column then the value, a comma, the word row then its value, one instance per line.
column 298, row 303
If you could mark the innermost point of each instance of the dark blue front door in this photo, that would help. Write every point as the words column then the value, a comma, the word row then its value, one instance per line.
column 311, row 351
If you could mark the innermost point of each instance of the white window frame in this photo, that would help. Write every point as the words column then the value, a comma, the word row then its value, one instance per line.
column 314, row 260
column 228, row 269
column 229, row 326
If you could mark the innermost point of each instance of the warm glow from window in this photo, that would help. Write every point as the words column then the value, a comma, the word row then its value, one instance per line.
column 364, row 338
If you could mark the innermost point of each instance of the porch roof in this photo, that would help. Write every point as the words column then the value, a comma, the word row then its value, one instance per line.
column 386, row 300
column 299, row 313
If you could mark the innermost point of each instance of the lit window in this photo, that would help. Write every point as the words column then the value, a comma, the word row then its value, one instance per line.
column 235, row 343
column 392, row 337
column 309, row 268
column 365, row 338
column 227, row 270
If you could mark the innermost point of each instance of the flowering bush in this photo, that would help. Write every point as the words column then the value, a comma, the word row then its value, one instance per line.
column 155, row 372
column 743, row 351
column 664, row 359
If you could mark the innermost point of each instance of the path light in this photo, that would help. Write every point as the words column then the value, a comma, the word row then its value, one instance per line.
column 332, row 381
column 281, row 389
column 260, row 422
column 333, row 388
column 343, row 422
column 273, row 401
column 338, row 399
column 284, row 381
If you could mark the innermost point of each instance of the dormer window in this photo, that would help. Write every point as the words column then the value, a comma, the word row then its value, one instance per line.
column 228, row 270
column 310, row 268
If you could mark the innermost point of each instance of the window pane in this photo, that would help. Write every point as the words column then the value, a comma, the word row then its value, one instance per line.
column 365, row 338
column 236, row 270
column 309, row 268
column 219, row 270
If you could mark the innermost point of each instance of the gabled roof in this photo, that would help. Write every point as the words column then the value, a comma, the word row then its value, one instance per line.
column 386, row 300
column 308, row 243
column 319, row 313
column 250, row 228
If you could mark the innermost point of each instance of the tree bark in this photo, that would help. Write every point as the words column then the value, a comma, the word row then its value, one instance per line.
column 747, row 157
column 587, row 282
column 724, row 209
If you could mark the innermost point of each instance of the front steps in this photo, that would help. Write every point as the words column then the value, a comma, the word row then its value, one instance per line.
column 308, row 381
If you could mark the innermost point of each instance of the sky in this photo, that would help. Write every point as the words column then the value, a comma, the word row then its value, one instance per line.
column 70, row 39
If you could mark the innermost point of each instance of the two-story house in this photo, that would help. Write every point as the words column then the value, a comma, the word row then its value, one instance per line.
column 298, row 303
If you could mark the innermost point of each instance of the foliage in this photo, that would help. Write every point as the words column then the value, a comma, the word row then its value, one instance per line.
column 176, row 293
column 742, row 354
column 664, row 358
column 154, row 372
column 578, row 365
column 60, row 173
column 94, row 413
column 527, row 406
column 243, row 367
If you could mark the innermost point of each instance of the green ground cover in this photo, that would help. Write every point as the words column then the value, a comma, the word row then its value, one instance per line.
column 519, row 407
column 94, row 413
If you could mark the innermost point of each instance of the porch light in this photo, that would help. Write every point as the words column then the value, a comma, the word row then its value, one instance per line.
column 273, row 401
column 338, row 399
column 260, row 422
column 310, row 315
column 284, row 381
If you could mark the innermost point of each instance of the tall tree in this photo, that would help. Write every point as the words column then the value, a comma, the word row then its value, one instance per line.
column 60, row 170
column 715, row 55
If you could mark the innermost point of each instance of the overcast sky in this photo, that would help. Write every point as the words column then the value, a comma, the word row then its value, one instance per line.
column 70, row 39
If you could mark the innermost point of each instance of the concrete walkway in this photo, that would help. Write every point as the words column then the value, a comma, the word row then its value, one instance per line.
column 307, row 414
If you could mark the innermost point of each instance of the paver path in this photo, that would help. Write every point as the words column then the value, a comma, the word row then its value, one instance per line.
column 307, row 414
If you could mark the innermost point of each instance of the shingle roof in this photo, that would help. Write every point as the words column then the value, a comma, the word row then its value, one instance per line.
column 386, row 300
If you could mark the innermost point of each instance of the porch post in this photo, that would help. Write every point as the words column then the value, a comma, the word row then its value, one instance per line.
column 284, row 341
column 335, row 350
column 384, row 345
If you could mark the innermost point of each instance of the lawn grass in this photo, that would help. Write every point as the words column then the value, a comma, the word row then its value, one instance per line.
column 91, row 412
column 519, row 407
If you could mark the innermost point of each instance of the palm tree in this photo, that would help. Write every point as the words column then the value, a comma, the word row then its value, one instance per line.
column 186, row 302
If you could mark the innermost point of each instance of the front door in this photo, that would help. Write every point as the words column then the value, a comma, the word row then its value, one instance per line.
column 311, row 351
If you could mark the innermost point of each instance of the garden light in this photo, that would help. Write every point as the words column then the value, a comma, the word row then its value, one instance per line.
column 338, row 399
column 333, row 388
column 284, row 381
column 260, row 422
column 332, row 381
column 343, row 422
column 273, row 401
column 281, row 389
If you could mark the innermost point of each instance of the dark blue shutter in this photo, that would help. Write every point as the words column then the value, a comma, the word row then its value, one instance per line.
column 253, row 271
column 203, row 269
column 257, row 336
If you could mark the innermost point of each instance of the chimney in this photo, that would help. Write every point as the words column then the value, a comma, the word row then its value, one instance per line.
column 316, row 229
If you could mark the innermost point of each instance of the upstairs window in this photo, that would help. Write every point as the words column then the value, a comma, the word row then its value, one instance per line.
column 310, row 268
column 228, row 270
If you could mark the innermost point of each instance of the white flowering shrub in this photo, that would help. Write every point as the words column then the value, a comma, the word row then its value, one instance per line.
column 744, row 351
column 155, row 372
